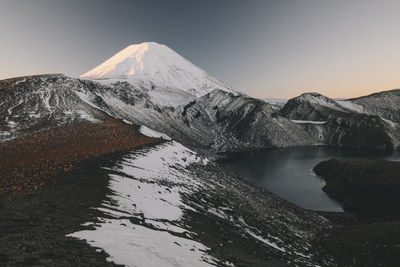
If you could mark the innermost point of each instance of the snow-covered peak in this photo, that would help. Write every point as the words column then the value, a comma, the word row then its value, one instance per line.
column 158, row 65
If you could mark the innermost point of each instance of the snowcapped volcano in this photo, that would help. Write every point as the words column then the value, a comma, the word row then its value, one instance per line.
column 158, row 65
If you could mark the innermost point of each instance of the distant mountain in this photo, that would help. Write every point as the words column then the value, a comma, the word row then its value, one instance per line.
column 385, row 104
column 368, row 121
column 154, row 64
column 312, row 107
column 317, row 107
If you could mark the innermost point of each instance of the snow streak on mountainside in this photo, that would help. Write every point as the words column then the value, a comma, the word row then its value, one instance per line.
column 156, row 65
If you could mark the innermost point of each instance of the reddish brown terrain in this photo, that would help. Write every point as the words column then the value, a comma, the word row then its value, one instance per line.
column 30, row 162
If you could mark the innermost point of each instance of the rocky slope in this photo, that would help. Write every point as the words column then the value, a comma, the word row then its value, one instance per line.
column 32, row 103
column 384, row 104
column 360, row 242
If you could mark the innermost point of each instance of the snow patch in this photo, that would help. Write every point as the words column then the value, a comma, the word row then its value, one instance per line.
column 152, row 133
column 86, row 116
column 391, row 123
column 311, row 122
column 135, row 245
column 320, row 100
column 251, row 231
column 350, row 105
column 168, row 97
column 265, row 241
column 146, row 208
column 276, row 101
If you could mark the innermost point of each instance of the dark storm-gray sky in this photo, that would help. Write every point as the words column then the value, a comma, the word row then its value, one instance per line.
column 264, row 48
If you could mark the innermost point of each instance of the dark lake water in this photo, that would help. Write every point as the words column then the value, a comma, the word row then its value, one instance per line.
column 288, row 172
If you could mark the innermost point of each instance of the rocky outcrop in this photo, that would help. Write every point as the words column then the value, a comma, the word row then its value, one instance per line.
column 363, row 186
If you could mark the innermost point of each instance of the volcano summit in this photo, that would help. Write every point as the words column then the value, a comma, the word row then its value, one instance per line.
column 158, row 65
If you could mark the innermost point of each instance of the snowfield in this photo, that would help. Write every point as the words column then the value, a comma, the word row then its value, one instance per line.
column 147, row 190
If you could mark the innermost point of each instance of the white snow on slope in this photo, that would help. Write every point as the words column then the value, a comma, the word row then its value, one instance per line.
column 152, row 133
column 320, row 100
column 311, row 122
column 147, row 189
column 391, row 123
column 276, row 101
column 170, row 97
column 156, row 65
column 350, row 105
column 135, row 245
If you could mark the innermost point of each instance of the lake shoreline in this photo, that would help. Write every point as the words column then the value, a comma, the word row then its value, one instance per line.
column 288, row 172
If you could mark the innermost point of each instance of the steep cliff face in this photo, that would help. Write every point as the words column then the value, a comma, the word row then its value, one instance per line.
column 359, row 130
column 356, row 130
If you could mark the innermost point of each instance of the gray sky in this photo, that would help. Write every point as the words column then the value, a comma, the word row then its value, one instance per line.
column 340, row 48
